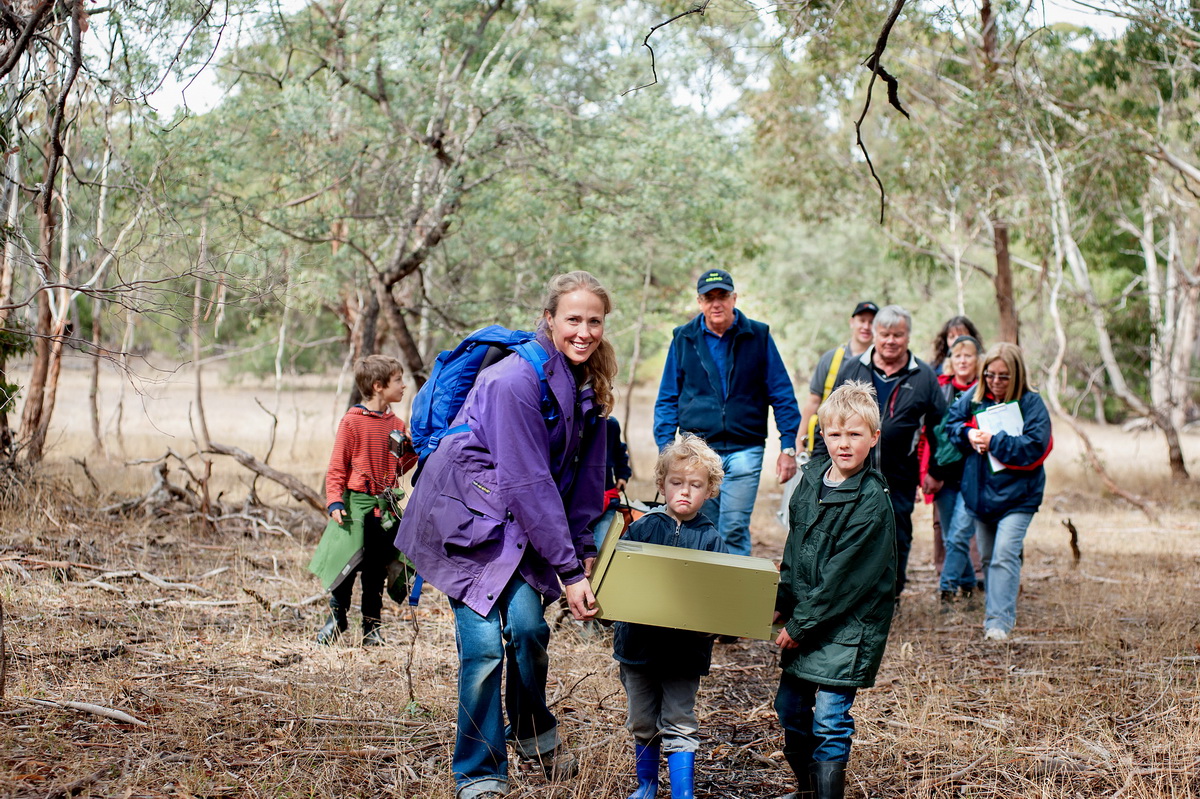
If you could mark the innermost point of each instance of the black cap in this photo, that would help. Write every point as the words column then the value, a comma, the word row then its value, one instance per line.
column 865, row 306
column 714, row 279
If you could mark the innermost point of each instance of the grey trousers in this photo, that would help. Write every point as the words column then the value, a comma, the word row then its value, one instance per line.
column 661, row 710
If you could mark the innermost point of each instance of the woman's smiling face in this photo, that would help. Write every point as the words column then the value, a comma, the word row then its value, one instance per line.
column 577, row 325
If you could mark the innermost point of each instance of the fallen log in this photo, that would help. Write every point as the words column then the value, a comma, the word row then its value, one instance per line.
column 297, row 489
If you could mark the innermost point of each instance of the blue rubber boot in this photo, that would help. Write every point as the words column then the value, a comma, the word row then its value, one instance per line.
column 646, row 761
column 682, row 766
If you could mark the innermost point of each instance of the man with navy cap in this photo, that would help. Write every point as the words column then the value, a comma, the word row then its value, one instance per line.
column 723, row 373
column 862, row 334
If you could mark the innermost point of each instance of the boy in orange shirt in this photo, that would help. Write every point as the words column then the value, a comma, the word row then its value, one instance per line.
column 361, row 467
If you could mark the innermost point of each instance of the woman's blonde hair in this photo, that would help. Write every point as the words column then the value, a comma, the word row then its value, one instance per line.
column 601, row 368
column 690, row 452
column 1012, row 357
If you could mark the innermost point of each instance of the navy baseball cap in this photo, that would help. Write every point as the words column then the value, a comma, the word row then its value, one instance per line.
column 864, row 307
column 714, row 279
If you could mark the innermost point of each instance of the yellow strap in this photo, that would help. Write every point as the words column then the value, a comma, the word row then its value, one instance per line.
column 830, row 378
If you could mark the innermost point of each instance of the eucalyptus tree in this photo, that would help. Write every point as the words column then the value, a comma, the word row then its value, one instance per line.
column 1113, row 124
column 435, row 162
column 74, row 79
column 953, row 169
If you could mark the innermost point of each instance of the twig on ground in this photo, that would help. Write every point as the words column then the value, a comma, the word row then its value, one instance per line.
column 88, row 707
column 312, row 600
column 87, row 473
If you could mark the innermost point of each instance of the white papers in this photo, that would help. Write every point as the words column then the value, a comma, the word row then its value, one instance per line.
column 1006, row 417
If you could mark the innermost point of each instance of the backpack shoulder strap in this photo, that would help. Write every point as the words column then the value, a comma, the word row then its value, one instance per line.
column 835, row 366
column 536, row 356
column 831, row 376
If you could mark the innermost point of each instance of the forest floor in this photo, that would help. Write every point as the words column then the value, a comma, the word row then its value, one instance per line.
column 201, row 642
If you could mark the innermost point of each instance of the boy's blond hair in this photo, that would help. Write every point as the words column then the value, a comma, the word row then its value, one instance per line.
column 375, row 369
column 852, row 398
column 690, row 452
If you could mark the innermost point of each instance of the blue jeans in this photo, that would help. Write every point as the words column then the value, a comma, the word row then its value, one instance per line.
column 958, row 526
column 601, row 528
column 515, row 634
column 816, row 720
column 730, row 510
column 1002, row 544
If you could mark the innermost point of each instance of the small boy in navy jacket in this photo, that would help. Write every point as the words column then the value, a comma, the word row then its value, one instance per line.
column 661, row 667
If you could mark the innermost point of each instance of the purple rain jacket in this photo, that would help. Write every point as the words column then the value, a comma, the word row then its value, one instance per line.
column 515, row 493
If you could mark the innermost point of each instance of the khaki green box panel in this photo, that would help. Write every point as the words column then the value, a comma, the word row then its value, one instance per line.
column 709, row 592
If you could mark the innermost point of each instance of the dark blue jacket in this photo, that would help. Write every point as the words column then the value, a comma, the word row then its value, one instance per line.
column 618, row 455
column 671, row 652
column 992, row 495
column 692, row 398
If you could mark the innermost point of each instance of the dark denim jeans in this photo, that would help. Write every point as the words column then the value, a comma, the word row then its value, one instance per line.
column 513, row 635
column 816, row 719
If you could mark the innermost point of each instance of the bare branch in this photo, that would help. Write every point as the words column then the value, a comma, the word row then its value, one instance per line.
column 698, row 9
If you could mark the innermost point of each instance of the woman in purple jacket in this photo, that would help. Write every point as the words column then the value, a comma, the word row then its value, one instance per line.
column 500, row 518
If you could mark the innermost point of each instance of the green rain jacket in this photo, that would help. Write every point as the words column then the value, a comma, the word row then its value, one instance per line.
column 837, row 583
column 340, row 551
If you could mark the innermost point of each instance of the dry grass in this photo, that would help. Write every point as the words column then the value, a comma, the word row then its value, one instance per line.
column 1099, row 695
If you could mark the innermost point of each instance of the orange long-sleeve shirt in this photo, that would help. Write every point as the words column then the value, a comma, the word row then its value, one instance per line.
column 360, row 460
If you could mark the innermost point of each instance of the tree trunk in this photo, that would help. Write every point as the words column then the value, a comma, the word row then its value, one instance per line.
column 94, row 382
column 1009, row 324
column 410, row 354
column 1051, row 394
column 197, row 304
column 368, row 313
column 31, row 418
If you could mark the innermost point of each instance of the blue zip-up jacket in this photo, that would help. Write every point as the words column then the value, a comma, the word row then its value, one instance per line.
column 990, row 495
column 671, row 652
column 692, row 397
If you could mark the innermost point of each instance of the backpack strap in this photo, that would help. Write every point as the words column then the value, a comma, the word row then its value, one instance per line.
column 831, row 376
column 536, row 356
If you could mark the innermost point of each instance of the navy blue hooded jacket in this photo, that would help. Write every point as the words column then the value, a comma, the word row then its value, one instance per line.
column 992, row 495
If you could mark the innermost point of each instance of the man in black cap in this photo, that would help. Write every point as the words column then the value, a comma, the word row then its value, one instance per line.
column 723, row 373
column 862, row 333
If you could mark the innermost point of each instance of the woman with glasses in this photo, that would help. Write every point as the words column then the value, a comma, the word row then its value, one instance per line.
column 1002, row 481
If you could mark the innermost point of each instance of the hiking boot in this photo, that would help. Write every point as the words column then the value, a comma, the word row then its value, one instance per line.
column 335, row 625
column 371, row 634
column 945, row 601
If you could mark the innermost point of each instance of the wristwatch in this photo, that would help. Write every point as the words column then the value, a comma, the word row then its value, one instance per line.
column 789, row 451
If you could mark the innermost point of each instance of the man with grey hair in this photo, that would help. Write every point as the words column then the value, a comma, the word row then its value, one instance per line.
column 909, row 402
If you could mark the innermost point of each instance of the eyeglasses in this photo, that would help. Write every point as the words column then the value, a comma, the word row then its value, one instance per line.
column 996, row 378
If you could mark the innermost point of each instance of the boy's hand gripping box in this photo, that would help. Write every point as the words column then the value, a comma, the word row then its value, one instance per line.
column 689, row 589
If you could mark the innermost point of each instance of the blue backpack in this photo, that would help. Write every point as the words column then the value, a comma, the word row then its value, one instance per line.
column 454, row 374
